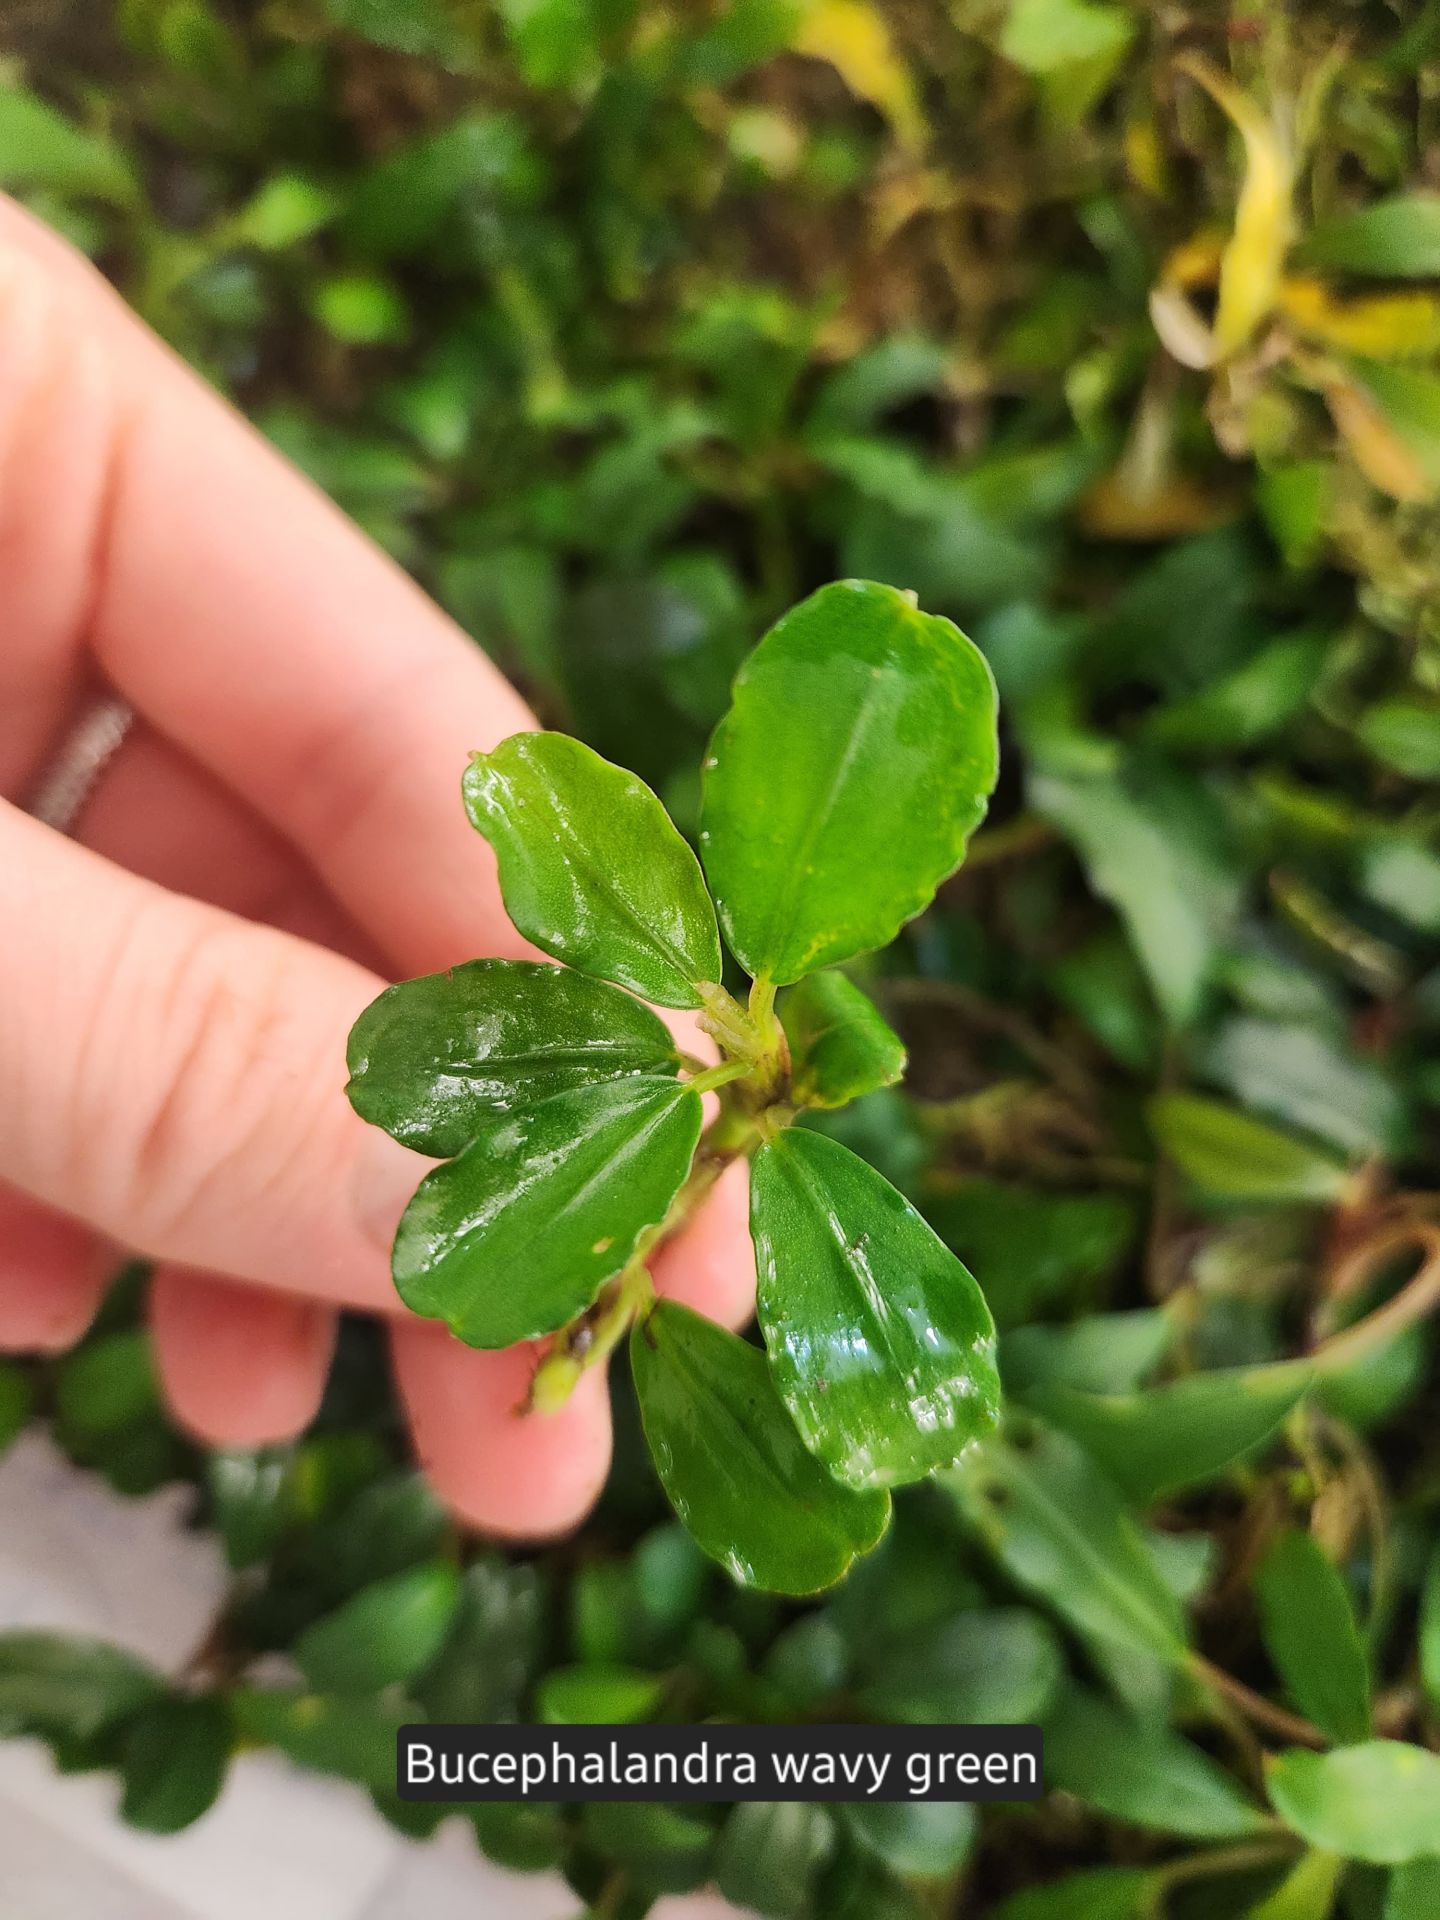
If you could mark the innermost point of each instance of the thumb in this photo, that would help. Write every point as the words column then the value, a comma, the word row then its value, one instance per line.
column 174, row 1077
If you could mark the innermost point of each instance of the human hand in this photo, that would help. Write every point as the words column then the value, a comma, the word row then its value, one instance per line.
column 281, row 824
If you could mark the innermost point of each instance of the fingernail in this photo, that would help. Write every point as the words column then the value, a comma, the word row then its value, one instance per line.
column 386, row 1176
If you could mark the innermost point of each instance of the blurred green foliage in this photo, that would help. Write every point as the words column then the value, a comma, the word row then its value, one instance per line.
column 1114, row 331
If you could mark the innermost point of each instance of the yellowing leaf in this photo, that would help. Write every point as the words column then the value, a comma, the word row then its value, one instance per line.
column 1387, row 326
column 855, row 40
column 1251, row 268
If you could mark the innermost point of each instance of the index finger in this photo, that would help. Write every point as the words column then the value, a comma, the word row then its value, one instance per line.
column 251, row 623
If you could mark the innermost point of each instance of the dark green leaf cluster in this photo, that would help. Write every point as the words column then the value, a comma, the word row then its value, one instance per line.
column 839, row 791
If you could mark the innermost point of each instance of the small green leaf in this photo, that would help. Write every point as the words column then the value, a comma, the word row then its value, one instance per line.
column 1414, row 1891
column 39, row 147
column 587, row 1696
column 1306, row 1893
column 14, row 1403
column 353, row 1739
column 733, row 1465
column 176, row 1754
column 1102, row 1353
column 769, row 1853
column 1379, row 1801
column 1405, row 734
column 1101, row 1893
column 1312, row 1636
column 1061, row 1531
column 592, row 869
column 431, row 1059
column 925, row 1839
column 483, row 1671
column 840, row 1046
column 999, row 1666
column 856, row 759
column 1183, row 1434
column 518, row 1235
column 69, row 1689
column 880, row 1342
column 662, row 1849
column 107, row 1385
column 1141, row 1772
column 382, row 1635
column 1395, row 239
column 254, row 1501
column 1225, row 1152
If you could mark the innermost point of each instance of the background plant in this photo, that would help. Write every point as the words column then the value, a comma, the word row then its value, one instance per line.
column 1112, row 333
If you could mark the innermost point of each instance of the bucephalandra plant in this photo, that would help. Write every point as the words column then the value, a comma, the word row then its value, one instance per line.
column 840, row 789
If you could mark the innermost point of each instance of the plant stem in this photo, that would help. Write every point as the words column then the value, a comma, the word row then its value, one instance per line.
column 1414, row 1300
column 1289, row 1726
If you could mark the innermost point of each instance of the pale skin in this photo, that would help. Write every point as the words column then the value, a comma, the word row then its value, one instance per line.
column 280, row 834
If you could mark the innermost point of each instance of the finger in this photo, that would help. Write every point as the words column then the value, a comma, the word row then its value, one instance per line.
column 328, row 692
column 239, row 1368
column 53, row 1275
column 522, row 1476
column 709, row 1264
column 175, row 1078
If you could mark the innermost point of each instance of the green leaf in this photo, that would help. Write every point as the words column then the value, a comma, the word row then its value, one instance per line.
column 71, row 1688
column 422, row 28
column 662, row 1849
column 1379, row 1801
column 585, row 1696
column 1312, row 1636
column 769, row 1853
column 995, row 1667
column 1414, row 1891
column 855, row 761
column 1138, row 1771
column 592, row 869
column 431, row 1059
column 840, row 1046
column 1101, row 1893
column 109, row 1384
column 880, row 1342
column 1102, row 1353
column 733, row 1465
column 1430, row 1631
column 1225, row 1151
column 1034, row 1248
column 352, row 1739
column 176, row 1754
column 39, row 147
column 1043, row 35
column 382, row 1635
column 1306, row 1893
column 1149, row 844
column 483, row 1671
column 1062, row 1533
column 924, row 1839
column 1395, row 239
column 518, row 1235
column 1405, row 734
column 14, row 1403
column 1183, row 1434
column 1246, row 706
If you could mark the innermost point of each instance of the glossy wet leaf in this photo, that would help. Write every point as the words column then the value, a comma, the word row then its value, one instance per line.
column 382, row 1635
column 1311, row 1634
column 583, row 1696
column 840, row 1044
column 1225, row 1151
column 855, row 761
column 175, row 1759
column 69, row 1688
column 1142, row 1772
column 1378, row 1801
column 517, row 1235
column 592, row 868
column 880, row 1342
column 433, row 1058
column 735, row 1469
column 1184, row 1434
